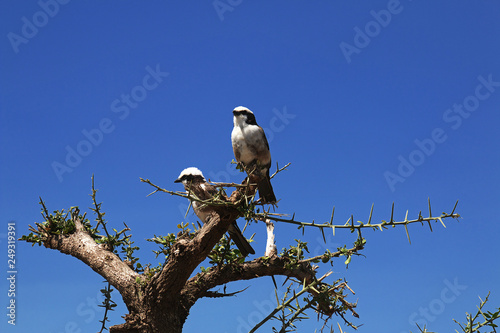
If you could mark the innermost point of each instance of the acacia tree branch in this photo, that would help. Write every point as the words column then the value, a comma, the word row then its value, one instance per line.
column 352, row 226
column 82, row 246
column 186, row 255
column 259, row 267
column 344, row 252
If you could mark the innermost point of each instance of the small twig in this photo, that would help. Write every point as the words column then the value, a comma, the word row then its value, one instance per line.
column 220, row 184
column 189, row 195
column 108, row 304
column 216, row 294
column 97, row 210
column 348, row 252
column 279, row 170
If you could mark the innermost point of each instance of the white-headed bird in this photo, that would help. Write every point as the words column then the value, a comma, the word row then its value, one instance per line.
column 194, row 182
column 251, row 150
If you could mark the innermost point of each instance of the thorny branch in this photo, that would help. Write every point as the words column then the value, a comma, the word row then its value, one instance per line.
column 352, row 226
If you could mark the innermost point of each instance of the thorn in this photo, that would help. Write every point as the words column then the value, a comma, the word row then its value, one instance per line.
column 314, row 289
column 333, row 212
column 407, row 233
column 371, row 212
column 323, row 234
column 430, row 212
column 440, row 220
column 359, row 233
column 274, row 281
column 429, row 201
column 347, row 223
column 151, row 193
column 406, row 216
column 333, row 230
column 392, row 213
column 187, row 211
column 456, row 203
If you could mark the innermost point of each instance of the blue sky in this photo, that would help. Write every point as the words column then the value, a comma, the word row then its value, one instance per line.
column 374, row 102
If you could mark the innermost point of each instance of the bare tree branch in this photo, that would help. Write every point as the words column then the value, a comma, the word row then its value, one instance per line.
column 249, row 270
column 270, row 246
column 104, row 262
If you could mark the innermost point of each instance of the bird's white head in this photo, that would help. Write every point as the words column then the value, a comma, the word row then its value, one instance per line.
column 243, row 116
column 189, row 175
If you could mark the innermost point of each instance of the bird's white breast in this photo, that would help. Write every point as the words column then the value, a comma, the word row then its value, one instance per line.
column 248, row 141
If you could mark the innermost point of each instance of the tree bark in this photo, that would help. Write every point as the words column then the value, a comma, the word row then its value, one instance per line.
column 81, row 245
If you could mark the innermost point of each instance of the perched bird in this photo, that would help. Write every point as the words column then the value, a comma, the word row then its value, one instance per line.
column 193, row 181
column 252, row 151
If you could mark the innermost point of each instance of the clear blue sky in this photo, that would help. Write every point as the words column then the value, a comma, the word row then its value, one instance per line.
column 377, row 102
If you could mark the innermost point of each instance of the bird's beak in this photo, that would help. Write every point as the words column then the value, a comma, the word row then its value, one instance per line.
column 177, row 181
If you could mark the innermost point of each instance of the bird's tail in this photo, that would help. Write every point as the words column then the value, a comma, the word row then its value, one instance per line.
column 240, row 240
column 266, row 192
